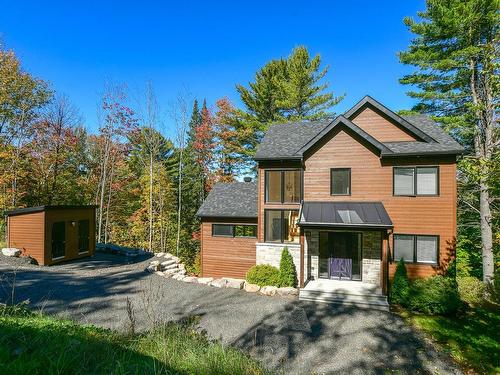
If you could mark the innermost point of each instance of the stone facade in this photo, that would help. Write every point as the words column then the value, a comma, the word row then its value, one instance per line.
column 270, row 253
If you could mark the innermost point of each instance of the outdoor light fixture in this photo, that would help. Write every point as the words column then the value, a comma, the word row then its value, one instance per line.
column 73, row 223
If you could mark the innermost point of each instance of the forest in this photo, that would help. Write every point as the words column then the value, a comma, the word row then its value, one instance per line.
column 148, row 186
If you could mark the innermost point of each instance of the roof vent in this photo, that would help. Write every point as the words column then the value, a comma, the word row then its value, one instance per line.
column 247, row 179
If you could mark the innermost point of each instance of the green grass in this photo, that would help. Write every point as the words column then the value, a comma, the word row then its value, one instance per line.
column 472, row 339
column 31, row 343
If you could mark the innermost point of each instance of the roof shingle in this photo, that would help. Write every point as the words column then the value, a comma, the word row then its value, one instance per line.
column 235, row 199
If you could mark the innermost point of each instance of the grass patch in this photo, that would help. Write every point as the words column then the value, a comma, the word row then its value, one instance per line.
column 472, row 339
column 31, row 343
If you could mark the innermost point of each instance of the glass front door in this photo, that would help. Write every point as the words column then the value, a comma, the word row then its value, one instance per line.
column 340, row 255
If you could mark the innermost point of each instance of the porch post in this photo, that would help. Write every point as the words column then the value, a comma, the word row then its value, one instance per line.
column 301, row 273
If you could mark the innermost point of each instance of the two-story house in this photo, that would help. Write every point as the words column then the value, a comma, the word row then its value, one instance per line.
column 347, row 197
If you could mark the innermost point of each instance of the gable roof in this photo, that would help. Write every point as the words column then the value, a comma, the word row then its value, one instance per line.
column 235, row 199
column 290, row 140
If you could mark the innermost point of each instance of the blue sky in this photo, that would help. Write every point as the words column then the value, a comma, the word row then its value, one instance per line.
column 206, row 48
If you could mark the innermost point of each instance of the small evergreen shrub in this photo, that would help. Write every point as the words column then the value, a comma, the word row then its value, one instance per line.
column 288, row 274
column 437, row 295
column 263, row 274
column 471, row 290
column 400, row 287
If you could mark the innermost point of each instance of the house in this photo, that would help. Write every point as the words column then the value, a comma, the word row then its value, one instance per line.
column 52, row 234
column 347, row 197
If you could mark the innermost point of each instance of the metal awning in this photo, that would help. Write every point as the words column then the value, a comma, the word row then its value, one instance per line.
column 344, row 215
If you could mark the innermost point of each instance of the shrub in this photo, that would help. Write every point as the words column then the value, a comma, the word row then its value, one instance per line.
column 471, row 290
column 400, row 287
column 434, row 295
column 288, row 274
column 263, row 274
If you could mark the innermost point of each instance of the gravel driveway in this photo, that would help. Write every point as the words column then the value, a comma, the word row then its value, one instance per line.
column 288, row 335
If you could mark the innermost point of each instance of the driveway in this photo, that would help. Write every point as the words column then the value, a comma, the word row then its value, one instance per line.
column 292, row 336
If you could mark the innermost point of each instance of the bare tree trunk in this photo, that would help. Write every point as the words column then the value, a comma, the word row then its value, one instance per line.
column 109, row 202
column 103, row 189
column 151, row 201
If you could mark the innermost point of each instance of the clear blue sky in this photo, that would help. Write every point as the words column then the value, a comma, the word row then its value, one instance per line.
column 207, row 47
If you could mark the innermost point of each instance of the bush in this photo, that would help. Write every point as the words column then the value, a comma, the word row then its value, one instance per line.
column 288, row 274
column 434, row 295
column 400, row 287
column 263, row 274
column 471, row 290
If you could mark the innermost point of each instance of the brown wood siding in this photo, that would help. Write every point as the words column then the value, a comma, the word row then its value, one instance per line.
column 69, row 215
column 226, row 256
column 379, row 127
column 26, row 232
column 371, row 180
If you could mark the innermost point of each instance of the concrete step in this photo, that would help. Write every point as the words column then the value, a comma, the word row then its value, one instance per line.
column 361, row 300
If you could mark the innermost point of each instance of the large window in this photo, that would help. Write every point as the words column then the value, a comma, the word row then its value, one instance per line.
column 340, row 181
column 284, row 186
column 281, row 226
column 234, row 230
column 83, row 236
column 411, row 181
column 416, row 248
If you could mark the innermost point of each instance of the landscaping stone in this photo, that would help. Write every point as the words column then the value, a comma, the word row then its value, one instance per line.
column 234, row 283
column 153, row 268
column 159, row 255
column 190, row 279
column 269, row 290
column 288, row 292
column 205, row 280
column 218, row 283
column 11, row 252
column 169, row 273
column 251, row 288
column 178, row 276
column 168, row 266
column 159, row 273
column 154, row 263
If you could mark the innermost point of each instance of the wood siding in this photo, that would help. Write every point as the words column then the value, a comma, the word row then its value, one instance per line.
column 379, row 127
column 371, row 180
column 226, row 256
column 26, row 232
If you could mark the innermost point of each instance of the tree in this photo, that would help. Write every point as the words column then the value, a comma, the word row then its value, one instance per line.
column 455, row 52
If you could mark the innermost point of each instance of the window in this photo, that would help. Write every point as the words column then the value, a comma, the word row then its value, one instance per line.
column 83, row 236
column 281, row 226
column 416, row 181
column 416, row 248
column 234, row 230
column 340, row 180
column 283, row 186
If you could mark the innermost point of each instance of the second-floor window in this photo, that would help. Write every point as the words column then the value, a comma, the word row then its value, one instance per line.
column 411, row 181
column 283, row 186
column 340, row 181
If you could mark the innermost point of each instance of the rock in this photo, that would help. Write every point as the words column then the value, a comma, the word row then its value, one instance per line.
column 169, row 273
column 190, row 279
column 218, row 283
column 175, row 258
column 251, row 288
column 205, row 280
column 168, row 266
column 181, row 272
column 159, row 273
column 178, row 276
column 269, row 290
column 288, row 291
column 11, row 252
column 159, row 255
column 154, row 263
column 234, row 283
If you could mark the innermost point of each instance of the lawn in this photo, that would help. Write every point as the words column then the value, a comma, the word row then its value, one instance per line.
column 472, row 339
column 31, row 343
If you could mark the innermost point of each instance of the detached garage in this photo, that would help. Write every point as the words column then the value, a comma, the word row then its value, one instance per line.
column 229, row 230
column 52, row 234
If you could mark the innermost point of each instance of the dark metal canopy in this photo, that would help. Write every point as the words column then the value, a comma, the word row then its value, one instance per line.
column 345, row 215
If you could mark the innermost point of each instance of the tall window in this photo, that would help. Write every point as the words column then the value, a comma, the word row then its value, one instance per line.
column 416, row 248
column 340, row 181
column 234, row 230
column 283, row 186
column 83, row 236
column 281, row 226
column 416, row 181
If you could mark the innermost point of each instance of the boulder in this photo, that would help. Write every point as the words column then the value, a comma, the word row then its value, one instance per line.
column 11, row 252
column 288, row 292
column 154, row 263
column 218, row 283
column 234, row 283
column 269, row 290
column 170, row 266
column 159, row 273
column 178, row 276
column 169, row 273
column 190, row 279
column 251, row 288
column 159, row 255
column 205, row 280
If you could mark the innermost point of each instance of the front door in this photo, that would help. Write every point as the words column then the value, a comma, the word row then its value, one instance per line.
column 340, row 255
column 58, row 240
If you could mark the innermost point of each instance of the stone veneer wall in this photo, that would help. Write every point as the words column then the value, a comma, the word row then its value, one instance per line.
column 270, row 253
column 372, row 253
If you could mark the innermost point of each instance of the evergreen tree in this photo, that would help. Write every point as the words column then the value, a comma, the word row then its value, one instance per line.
column 455, row 52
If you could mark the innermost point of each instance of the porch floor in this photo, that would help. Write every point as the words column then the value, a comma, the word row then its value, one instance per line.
column 344, row 292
